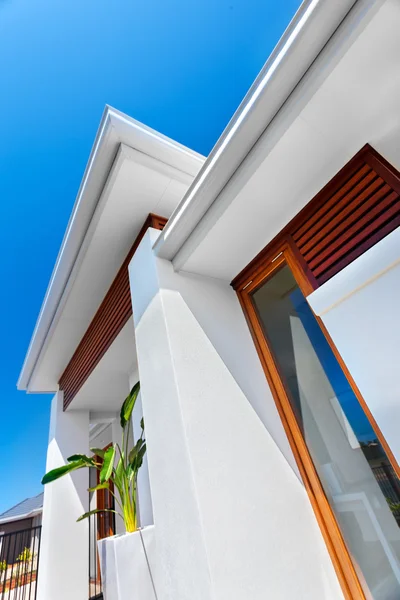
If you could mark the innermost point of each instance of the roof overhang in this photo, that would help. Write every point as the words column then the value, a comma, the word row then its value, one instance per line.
column 28, row 515
column 268, row 128
column 119, row 139
column 316, row 40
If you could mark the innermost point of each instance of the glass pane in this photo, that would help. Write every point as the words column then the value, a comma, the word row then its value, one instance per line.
column 357, row 477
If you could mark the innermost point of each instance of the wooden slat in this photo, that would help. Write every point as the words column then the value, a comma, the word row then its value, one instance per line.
column 350, row 215
column 346, row 187
column 369, row 186
column 373, row 221
column 110, row 318
column 361, row 248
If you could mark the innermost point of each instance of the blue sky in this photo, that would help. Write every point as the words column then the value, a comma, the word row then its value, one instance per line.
column 180, row 66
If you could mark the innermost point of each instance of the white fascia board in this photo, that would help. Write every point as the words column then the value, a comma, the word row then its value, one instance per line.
column 115, row 130
column 29, row 515
column 303, row 41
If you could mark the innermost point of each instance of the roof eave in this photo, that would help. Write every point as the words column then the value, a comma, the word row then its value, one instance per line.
column 29, row 515
column 115, row 129
column 303, row 41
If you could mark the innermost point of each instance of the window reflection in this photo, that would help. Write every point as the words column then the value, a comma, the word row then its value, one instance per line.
column 360, row 484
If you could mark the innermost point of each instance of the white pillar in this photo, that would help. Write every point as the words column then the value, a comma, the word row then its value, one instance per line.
column 63, row 568
column 232, row 519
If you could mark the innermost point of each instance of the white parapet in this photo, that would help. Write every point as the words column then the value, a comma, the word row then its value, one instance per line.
column 63, row 568
column 232, row 518
column 128, row 565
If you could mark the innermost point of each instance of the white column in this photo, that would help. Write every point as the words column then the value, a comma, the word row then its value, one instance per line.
column 232, row 519
column 63, row 569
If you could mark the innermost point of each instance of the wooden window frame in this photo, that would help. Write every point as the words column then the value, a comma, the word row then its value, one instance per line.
column 367, row 156
column 270, row 260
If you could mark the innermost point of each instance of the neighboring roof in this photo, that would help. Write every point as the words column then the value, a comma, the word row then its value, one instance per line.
column 25, row 509
column 116, row 131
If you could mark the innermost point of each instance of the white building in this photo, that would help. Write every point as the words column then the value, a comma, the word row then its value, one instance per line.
column 265, row 330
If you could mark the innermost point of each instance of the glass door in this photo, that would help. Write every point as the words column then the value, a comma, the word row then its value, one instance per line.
column 339, row 451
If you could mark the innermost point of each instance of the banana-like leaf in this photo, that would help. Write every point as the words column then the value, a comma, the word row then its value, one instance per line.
column 61, row 471
column 130, row 472
column 137, row 459
column 129, row 403
column 93, row 512
column 98, row 452
column 119, row 472
column 135, row 450
column 108, row 464
column 101, row 486
column 140, row 456
column 86, row 459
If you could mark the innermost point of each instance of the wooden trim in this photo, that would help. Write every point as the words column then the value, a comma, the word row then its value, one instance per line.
column 365, row 167
column 343, row 565
column 110, row 318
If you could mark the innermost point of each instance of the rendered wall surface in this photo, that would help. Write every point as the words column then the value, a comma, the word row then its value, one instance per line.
column 65, row 543
column 232, row 518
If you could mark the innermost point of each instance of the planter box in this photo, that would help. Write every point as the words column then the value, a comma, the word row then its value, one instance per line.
column 127, row 564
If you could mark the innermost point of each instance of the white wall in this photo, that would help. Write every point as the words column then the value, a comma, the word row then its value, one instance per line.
column 360, row 307
column 63, row 569
column 232, row 519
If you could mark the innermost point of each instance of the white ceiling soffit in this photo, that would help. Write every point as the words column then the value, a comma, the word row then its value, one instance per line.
column 311, row 46
column 115, row 130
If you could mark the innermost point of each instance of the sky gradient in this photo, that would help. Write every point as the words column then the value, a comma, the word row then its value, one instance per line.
column 181, row 67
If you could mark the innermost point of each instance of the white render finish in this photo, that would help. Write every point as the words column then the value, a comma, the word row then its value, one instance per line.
column 63, row 571
column 223, row 493
column 360, row 308
column 120, row 140
column 129, row 566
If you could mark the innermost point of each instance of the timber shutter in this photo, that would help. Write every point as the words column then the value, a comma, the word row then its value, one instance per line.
column 351, row 213
column 354, row 211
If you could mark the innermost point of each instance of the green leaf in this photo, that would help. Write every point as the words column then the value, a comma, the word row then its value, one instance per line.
column 129, row 403
column 98, row 452
column 119, row 472
column 108, row 464
column 140, row 456
column 86, row 459
column 135, row 450
column 93, row 512
column 100, row 486
column 142, row 423
column 136, row 458
column 61, row 471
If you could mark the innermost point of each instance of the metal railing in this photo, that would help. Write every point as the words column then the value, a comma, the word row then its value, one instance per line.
column 101, row 525
column 19, row 562
column 390, row 486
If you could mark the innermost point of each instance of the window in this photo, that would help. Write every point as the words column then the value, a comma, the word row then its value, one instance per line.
column 353, row 486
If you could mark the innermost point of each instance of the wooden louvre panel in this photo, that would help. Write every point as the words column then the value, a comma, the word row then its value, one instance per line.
column 354, row 211
column 110, row 318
